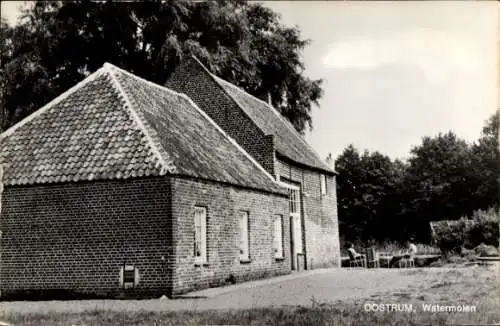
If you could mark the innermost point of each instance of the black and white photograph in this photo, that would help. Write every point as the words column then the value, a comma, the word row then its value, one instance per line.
column 249, row 163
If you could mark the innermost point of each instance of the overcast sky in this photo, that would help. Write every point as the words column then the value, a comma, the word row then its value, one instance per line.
column 397, row 71
column 394, row 71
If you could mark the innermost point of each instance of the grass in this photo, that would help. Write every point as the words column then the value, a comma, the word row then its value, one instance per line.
column 470, row 286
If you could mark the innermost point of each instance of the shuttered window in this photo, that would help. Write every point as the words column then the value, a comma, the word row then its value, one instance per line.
column 323, row 185
column 278, row 236
column 244, row 236
column 200, row 235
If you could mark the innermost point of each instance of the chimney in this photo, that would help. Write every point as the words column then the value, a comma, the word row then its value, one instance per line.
column 330, row 161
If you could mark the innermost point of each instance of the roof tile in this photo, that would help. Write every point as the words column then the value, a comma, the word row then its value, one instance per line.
column 114, row 125
column 289, row 142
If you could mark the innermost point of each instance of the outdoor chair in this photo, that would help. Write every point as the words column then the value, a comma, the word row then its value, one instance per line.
column 372, row 258
column 407, row 261
column 356, row 259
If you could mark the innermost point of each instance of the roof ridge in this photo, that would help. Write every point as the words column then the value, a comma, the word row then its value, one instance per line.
column 250, row 157
column 55, row 101
column 203, row 113
column 165, row 166
column 287, row 123
column 143, row 79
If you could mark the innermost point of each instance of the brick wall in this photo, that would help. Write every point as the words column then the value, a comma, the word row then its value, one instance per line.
column 223, row 203
column 320, row 223
column 73, row 238
column 191, row 79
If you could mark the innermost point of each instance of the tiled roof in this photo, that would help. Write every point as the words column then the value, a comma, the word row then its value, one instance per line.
column 114, row 125
column 289, row 143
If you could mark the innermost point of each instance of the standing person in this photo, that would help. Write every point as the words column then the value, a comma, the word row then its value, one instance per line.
column 408, row 257
column 412, row 248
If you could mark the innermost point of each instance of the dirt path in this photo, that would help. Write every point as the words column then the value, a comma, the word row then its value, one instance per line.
column 297, row 289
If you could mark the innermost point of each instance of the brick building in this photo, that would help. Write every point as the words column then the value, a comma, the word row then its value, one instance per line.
column 282, row 151
column 121, row 186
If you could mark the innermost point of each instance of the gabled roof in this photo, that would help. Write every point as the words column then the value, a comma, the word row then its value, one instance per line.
column 289, row 143
column 115, row 125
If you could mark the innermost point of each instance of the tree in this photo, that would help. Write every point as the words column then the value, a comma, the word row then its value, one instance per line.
column 348, row 166
column 485, row 168
column 439, row 178
column 445, row 178
column 369, row 190
column 59, row 43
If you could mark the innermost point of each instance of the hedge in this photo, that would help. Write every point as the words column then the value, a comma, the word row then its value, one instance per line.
column 482, row 228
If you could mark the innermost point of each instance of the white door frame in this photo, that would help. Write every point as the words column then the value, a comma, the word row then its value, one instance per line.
column 295, row 226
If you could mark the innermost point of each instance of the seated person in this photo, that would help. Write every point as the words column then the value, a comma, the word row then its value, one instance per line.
column 353, row 255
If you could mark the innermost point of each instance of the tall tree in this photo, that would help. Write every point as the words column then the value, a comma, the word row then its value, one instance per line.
column 59, row 43
column 369, row 195
column 348, row 166
column 485, row 170
column 439, row 179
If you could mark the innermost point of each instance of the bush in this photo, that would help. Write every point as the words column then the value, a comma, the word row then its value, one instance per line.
column 484, row 229
column 469, row 254
column 449, row 236
column 486, row 251
column 452, row 236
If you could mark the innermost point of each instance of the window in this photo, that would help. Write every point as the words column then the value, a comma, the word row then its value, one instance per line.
column 129, row 276
column 244, row 252
column 278, row 236
column 294, row 200
column 200, row 235
column 323, row 184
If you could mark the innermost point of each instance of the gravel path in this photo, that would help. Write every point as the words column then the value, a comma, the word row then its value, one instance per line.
column 296, row 289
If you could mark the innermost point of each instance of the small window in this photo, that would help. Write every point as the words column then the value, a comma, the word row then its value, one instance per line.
column 294, row 200
column 244, row 248
column 129, row 276
column 323, row 184
column 278, row 236
column 200, row 235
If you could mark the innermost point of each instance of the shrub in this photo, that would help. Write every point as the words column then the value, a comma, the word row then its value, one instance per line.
column 452, row 236
column 483, row 229
column 469, row 254
column 449, row 236
column 486, row 251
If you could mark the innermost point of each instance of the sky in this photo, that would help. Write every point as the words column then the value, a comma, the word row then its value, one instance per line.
column 393, row 71
column 397, row 71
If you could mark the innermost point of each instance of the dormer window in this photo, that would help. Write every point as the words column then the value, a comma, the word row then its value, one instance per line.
column 323, row 185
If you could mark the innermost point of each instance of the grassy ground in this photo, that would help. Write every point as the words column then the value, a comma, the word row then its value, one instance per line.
column 469, row 286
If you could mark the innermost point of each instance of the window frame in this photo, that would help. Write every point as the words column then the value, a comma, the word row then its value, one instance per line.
column 297, row 214
column 294, row 202
column 244, row 239
column 203, row 236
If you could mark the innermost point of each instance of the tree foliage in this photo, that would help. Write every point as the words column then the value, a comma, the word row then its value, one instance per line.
column 445, row 178
column 368, row 194
column 59, row 43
